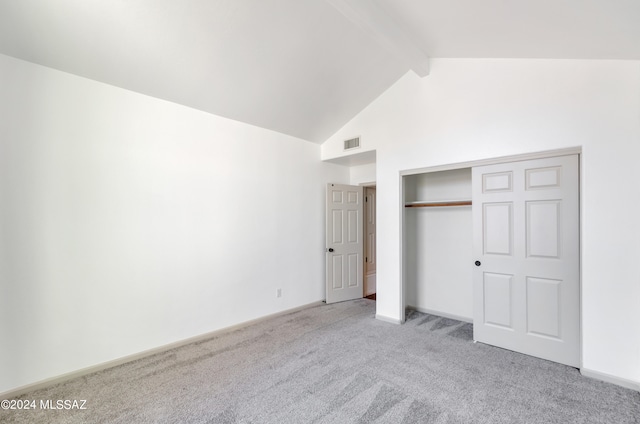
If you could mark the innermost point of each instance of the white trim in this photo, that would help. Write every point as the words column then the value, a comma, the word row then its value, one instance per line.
column 402, row 306
column 580, row 233
column 492, row 161
column 441, row 314
column 608, row 378
column 389, row 319
column 129, row 358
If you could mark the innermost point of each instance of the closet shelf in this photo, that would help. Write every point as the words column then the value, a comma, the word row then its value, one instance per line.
column 437, row 203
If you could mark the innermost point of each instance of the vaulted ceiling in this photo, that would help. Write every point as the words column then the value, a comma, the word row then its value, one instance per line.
column 299, row 67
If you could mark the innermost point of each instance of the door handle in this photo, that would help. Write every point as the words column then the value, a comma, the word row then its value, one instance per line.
column 330, row 249
column 478, row 263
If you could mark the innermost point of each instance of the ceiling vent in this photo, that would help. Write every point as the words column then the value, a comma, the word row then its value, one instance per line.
column 352, row 143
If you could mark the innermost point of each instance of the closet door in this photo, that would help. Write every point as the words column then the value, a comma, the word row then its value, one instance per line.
column 526, row 244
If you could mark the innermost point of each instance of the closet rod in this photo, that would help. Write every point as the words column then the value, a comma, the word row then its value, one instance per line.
column 438, row 204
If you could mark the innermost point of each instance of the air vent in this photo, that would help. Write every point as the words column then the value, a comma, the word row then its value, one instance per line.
column 352, row 143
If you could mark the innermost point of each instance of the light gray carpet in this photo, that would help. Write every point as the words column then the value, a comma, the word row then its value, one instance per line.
column 337, row 364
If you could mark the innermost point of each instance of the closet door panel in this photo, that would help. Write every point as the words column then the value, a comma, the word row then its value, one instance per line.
column 497, row 223
column 497, row 299
column 543, row 229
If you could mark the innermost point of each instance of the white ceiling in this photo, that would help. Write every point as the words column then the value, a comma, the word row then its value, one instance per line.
column 558, row 29
column 300, row 67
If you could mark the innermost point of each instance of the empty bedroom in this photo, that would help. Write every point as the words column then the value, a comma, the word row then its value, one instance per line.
column 319, row 211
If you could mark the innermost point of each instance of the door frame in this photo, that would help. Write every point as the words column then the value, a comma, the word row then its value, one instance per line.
column 490, row 161
column 364, row 236
column 364, row 186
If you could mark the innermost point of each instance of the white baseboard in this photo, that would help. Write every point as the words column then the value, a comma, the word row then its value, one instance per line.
column 129, row 358
column 608, row 378
column 441, row 314
column 389, row 319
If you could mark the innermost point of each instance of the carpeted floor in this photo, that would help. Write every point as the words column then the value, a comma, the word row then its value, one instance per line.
column 337, row 364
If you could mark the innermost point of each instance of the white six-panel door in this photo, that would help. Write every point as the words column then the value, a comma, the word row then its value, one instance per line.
column 344, row 242
column 526, row 244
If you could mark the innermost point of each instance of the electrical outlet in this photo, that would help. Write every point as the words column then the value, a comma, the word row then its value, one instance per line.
column 279, row 293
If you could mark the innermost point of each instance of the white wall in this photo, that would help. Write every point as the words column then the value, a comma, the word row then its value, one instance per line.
column 127, row 222
column 472, row 109
column 362, row 174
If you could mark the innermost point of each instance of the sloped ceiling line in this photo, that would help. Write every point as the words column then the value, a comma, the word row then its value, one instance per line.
column 302, row 68
column 372, row 19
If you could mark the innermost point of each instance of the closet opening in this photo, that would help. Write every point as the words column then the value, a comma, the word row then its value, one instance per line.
column 438, row 243
column 496, row 243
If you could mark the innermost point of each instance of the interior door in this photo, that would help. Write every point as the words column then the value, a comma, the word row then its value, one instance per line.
column 526, row 242
column 344, row 245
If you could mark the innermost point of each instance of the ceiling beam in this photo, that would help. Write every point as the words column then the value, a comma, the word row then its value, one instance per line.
column 376, row 23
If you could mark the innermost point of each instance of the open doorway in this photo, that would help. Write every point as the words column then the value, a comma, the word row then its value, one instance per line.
column 369, row 286
column 350, row 242
column 349, row 273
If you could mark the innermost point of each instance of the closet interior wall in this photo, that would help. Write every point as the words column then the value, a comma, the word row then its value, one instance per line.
column 438, row 251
